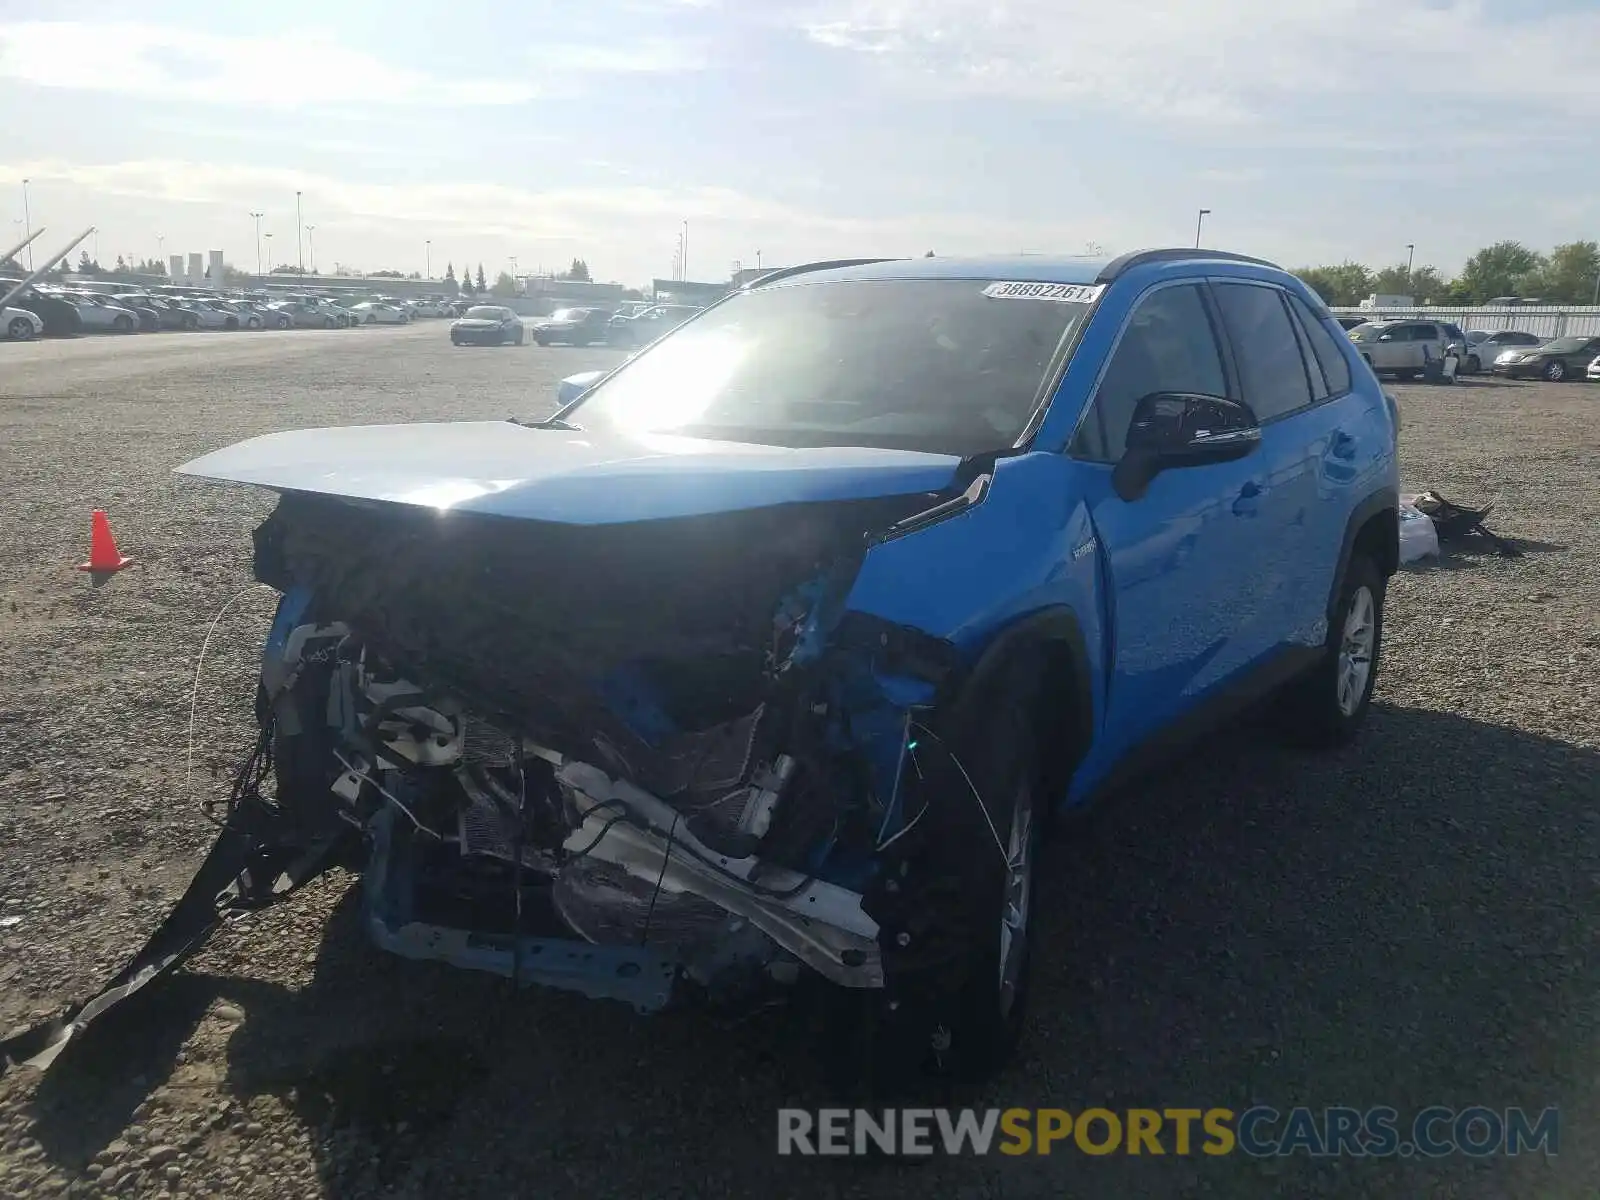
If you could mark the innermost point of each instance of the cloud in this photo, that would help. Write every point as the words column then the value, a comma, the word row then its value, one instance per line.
column 179, row 64
column 1228, row 62
column 654, row 55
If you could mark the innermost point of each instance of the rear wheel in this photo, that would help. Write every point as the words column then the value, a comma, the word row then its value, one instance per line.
column 1473, row 364
column 1328, row 704
column 19, row 329
column 1555, row 370
column 123, row 324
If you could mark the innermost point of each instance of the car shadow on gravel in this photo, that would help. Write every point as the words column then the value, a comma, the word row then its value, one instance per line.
column 1406, row 922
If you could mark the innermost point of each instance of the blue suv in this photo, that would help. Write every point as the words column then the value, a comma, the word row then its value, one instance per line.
column 771, row 655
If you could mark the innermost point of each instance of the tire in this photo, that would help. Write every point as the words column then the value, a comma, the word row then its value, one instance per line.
column 958, row 1017
column 19, row 330
column 1407, row 375
column 543, row 341
column 123, row 324
column 1327, row 705
column 455, row 341
column 1554, row 371
column 1474, row 366
column 254, row 323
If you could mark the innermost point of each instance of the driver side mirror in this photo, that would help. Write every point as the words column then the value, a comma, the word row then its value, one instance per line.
column 1173, row 430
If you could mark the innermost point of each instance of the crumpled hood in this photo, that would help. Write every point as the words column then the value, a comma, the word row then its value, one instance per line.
column 581, row 478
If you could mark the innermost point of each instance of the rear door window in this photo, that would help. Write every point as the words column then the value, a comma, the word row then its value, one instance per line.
column 1331, row 363
column 1272, row 373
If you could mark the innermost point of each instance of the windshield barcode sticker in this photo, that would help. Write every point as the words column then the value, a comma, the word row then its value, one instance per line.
column 1066, row 293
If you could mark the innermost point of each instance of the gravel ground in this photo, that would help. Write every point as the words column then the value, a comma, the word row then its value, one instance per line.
column 1405, row 923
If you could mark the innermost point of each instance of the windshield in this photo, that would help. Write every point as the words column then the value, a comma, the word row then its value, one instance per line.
column 1367, row 333
column 567, row 314
column 931, row 365
column 480, row 313
column 1570, row 345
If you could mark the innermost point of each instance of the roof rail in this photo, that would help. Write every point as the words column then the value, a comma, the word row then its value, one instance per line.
column 807, row 268
column 1138, row 258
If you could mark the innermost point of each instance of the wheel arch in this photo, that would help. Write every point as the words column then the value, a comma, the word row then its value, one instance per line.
column 1373, row 529
column 1046, row 653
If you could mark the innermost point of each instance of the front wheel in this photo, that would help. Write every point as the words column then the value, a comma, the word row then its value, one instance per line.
column 123, row 324
column 954, row 1012
column 1328, row 704
column 19, row 330
column 255, row 323
column 1555, row 370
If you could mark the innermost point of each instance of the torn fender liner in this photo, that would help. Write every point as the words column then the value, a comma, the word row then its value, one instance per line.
column 239, row 876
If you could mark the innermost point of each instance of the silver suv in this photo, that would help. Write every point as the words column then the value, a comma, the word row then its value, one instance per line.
column 1401, row 348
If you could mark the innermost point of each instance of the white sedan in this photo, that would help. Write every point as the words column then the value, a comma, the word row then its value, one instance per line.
column 99, row 313
column 20, row 325
column 372, row 313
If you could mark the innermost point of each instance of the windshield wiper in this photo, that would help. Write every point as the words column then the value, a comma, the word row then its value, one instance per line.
column 550, row 423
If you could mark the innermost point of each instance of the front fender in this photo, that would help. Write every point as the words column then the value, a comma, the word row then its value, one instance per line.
column 1019, row 563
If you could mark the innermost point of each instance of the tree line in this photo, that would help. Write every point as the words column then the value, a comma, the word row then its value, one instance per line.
column 1569, row 274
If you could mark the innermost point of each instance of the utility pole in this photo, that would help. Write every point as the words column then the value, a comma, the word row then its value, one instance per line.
column 1411, row 257
column 27, row 223
column 258, row 217
column 1199, row 221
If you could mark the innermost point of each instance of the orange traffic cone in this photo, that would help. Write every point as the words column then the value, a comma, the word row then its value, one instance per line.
column 104, row 557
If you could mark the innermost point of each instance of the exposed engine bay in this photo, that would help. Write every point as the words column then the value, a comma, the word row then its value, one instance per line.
column 665, row 738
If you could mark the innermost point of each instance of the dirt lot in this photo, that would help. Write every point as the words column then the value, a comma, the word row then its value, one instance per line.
column 1407, row 923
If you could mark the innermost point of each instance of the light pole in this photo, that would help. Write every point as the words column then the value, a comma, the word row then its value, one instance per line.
column 161, row 249
column 268, row 236
column 1411, row 257
column 258, row 217
column 299, row 249
column 685, row 259
column 27, row 224
column 1199, row 221
column 312, row 243
column 427, row 259
column 758, row 260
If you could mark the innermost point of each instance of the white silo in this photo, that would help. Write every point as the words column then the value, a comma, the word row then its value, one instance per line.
column 197, row 270
column 175, row 268
column 215, row 257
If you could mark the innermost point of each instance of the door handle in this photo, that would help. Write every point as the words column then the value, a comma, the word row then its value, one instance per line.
column 1248, row 499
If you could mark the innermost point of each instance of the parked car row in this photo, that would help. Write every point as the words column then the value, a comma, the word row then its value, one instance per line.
column 633, row 325
column 1404, row 348
column 58, row 310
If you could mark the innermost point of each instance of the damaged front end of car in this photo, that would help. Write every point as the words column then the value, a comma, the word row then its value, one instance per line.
column 651, row 735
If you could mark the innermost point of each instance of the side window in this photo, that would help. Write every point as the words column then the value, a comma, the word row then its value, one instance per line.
column 1168, row 346
column 1335, row 367
column 1271, row 372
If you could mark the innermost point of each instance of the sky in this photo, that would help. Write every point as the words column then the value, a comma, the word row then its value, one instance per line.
column 782, row 131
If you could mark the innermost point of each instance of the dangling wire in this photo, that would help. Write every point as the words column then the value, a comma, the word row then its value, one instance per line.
column 665, row 857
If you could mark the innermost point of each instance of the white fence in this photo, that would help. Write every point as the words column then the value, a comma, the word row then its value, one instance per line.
column 1567, row 321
